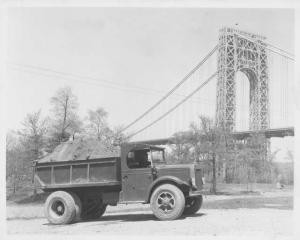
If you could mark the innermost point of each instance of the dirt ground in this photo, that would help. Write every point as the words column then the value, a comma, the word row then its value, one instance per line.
column 261, row 213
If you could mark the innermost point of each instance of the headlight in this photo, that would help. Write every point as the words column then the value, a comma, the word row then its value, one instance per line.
column 193, row 181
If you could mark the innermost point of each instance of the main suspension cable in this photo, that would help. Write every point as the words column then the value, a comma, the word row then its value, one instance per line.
column 176, row 106
column 173, row 89
column 291, row 57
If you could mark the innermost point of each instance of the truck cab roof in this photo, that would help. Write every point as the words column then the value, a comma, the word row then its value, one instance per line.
column 140, row 146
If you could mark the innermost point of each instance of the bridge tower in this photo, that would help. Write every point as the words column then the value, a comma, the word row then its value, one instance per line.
column 245, row 52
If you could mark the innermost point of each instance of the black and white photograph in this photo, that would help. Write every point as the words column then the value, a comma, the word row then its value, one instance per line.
column 145, row 119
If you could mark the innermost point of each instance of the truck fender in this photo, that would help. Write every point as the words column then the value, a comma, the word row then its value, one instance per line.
column 166, row 179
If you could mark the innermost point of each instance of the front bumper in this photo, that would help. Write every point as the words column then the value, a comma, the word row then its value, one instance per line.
column 195, row 193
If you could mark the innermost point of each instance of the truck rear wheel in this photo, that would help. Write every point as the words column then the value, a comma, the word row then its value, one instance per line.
column 78, row 206
column 193, row 204
column 92, row 209
column 60, row 208
column 167, row 202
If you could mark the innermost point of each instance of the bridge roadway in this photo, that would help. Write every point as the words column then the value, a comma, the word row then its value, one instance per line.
column 240, row 135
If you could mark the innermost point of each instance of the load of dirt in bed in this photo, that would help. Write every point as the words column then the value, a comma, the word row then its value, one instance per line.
column 80, row 150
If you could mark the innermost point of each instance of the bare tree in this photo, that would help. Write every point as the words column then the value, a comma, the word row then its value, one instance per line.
column 33, row 134
column 14, row 162
column 65, row 106
column 76, row 126
column 99, row 129
column 251, row 160
column 211, row 142
column 32, row 141
column 97, row 124
column 22, row 148
column 181, row 149
column 289, row 155
column 117, row 136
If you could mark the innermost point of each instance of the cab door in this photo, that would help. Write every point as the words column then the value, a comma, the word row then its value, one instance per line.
column 137, row 177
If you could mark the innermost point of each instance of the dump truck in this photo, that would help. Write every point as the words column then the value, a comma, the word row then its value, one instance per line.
column 80, row 188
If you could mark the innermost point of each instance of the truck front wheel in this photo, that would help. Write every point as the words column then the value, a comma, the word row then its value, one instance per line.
column 167, row 202
column 193, row 204
column 60, row 208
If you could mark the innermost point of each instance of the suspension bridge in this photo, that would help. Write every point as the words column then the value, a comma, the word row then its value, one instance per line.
column 244, row 83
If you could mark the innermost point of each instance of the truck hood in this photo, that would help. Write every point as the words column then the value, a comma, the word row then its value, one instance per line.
column 182, row 171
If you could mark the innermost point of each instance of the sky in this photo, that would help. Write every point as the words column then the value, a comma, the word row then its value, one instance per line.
column 129, row 57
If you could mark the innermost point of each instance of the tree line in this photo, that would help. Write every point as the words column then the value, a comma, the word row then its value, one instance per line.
column 40, row 135
column 222, row 157
column 225, row 159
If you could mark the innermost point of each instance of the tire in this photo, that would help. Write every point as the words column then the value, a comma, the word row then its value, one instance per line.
column 193, row 205
column 60, row 208
column 78, row 207
column 167, row 202
column 92, row 209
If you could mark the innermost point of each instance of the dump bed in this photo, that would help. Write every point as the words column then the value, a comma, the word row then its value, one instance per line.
column 78, row 173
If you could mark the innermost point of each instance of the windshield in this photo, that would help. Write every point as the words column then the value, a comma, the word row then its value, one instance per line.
column 158, row 156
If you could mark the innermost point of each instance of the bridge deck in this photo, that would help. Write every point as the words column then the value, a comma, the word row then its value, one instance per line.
column 269, row 133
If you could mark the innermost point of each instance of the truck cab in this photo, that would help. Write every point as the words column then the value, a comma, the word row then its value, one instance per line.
column 144, row 167
column 82, row 188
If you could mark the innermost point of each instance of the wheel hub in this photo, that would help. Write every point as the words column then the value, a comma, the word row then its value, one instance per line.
column 58, row 208
column 166, row 202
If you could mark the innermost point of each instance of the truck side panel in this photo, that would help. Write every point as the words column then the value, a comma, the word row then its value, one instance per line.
column 93, row 172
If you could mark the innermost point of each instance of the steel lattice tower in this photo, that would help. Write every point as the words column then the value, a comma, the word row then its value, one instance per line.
column 245, row 52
